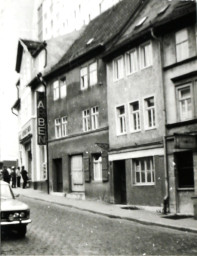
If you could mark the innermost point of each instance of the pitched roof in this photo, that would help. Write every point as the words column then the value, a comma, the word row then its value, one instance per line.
column 101, row 30
column 154, row 15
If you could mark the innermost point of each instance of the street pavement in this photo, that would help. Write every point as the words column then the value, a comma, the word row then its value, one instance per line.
column 147, row 217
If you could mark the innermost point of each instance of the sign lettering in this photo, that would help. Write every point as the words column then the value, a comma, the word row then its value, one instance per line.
column 41, row 119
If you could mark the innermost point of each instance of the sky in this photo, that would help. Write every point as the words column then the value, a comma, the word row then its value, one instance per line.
column 12, row 27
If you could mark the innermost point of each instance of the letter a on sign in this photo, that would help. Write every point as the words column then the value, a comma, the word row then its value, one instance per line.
column 41, row 119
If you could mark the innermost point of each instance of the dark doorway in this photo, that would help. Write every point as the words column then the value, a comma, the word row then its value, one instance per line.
column 57, row 175
column 119, row 182
column 185, row 169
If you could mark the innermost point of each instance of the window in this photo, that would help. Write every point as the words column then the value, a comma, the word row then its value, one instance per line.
column 86, row 120
column 132, row 63
column 118, row 68
column 97, row 167
column 185, row 102
column 140, row 22
column 150, row 112
column 94, row 118
column 63, row 88
column 93, row 73
column 182, row 48
column 64, row 126
column 56, row 90
column 121, row 120
column 144, row 171
column 135, row 116
column 146, row 55
column 58, row 132
column 84, row 78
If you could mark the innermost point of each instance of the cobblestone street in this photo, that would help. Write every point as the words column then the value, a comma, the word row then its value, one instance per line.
column 58, row 230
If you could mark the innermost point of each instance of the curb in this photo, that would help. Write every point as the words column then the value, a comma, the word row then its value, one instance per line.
column 112, row 216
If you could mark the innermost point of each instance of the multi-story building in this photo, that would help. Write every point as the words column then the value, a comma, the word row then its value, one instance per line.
column 151, row 90
column 78, row 122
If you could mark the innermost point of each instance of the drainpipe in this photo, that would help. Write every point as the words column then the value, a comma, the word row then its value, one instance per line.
column 166, row 197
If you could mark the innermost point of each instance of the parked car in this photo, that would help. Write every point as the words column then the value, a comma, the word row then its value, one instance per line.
column 15, row 215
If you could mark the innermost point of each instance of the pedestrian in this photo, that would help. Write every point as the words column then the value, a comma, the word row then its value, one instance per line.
column 24, row 176
column 9, row 171
column 13, row 177
column 18, row 177
column 5, row 174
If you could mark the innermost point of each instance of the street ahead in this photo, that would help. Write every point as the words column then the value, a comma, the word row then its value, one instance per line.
column 59, row 230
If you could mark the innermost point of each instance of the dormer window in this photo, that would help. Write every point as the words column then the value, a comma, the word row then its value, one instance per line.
column 140, row 22
column 163, row 10
column 90, row 41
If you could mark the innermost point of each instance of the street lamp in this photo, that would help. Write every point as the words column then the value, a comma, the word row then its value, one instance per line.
column 43, row 82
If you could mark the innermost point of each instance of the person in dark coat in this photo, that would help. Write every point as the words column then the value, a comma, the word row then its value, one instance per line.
column 18, row 177
column 5, row 174
column 13, row 177
column 24, row 176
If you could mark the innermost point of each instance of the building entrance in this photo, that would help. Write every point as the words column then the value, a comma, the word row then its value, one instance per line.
column 57, row 175
column 119, row 182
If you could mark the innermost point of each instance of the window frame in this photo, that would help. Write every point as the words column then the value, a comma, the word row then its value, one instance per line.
column 131, row 121
column 118, row 122
column 146, row 116
column 182, row 45
column 94, row 118
column 93, row 73
column 118, row 75
column 129, row 63
column 86, row 120
column 84, row 78
column 146, row 171
column 142, row 55
column 98, row 162
column 62, row 84
column 58, row 128
column 64, row 126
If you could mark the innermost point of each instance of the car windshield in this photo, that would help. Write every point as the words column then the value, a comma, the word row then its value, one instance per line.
column 5, row 192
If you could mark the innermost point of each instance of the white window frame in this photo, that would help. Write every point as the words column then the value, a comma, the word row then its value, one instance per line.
column 146, row 61
column 56, row 93
column 121, row 127
column 84, row 78
column 64, row 123
column 86, row 120
column 94, row 118
column 182, row 45
column 132, row 114
column 93, row 79
column 63, row 87
column 147, row 110
column 146, row 171
column 180, row 100
column 58, row 131
column 118, row 68
column 97, row 168
column 132, row 61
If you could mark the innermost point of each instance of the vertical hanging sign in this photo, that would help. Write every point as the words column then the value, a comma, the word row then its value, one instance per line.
column 41, row 119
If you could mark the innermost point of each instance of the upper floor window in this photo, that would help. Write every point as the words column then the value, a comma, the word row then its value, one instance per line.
column 63, row 87
column 121, row 120
column 182, row 47
column 132, row 62
column 144, row 173
column 86, row 120
column 146, row 55
column 94, row 118
column 84, row 78
column 185, row 102
column 58, row 132
column 135, row 116
column 64, row 126
column 56, row 90
column 118, row 68
column 93, row 73
column 150, row 121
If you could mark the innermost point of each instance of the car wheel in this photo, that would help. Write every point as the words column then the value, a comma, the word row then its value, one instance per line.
column 22, row 231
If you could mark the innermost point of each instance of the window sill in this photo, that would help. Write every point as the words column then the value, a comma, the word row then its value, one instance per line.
column 151, row 128
column 97, row 182
column 179, row 63
column 144, row 184
column 121, row 134
column 185, row 189
column 135, row 131
column 143, row 68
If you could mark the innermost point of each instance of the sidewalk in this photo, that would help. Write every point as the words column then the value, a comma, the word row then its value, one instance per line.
column 188, row 224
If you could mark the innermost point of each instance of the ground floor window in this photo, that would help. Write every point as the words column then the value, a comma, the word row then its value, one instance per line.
column 97, row 167
column 144, row 173
column 185, row 169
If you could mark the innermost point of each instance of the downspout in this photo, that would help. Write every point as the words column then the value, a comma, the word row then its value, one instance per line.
column 167, row 194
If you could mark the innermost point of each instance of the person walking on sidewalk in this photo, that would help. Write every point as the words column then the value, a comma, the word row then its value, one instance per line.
column 24, row 176
column 18, row 177
column 5, row 175
column 13, row 177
